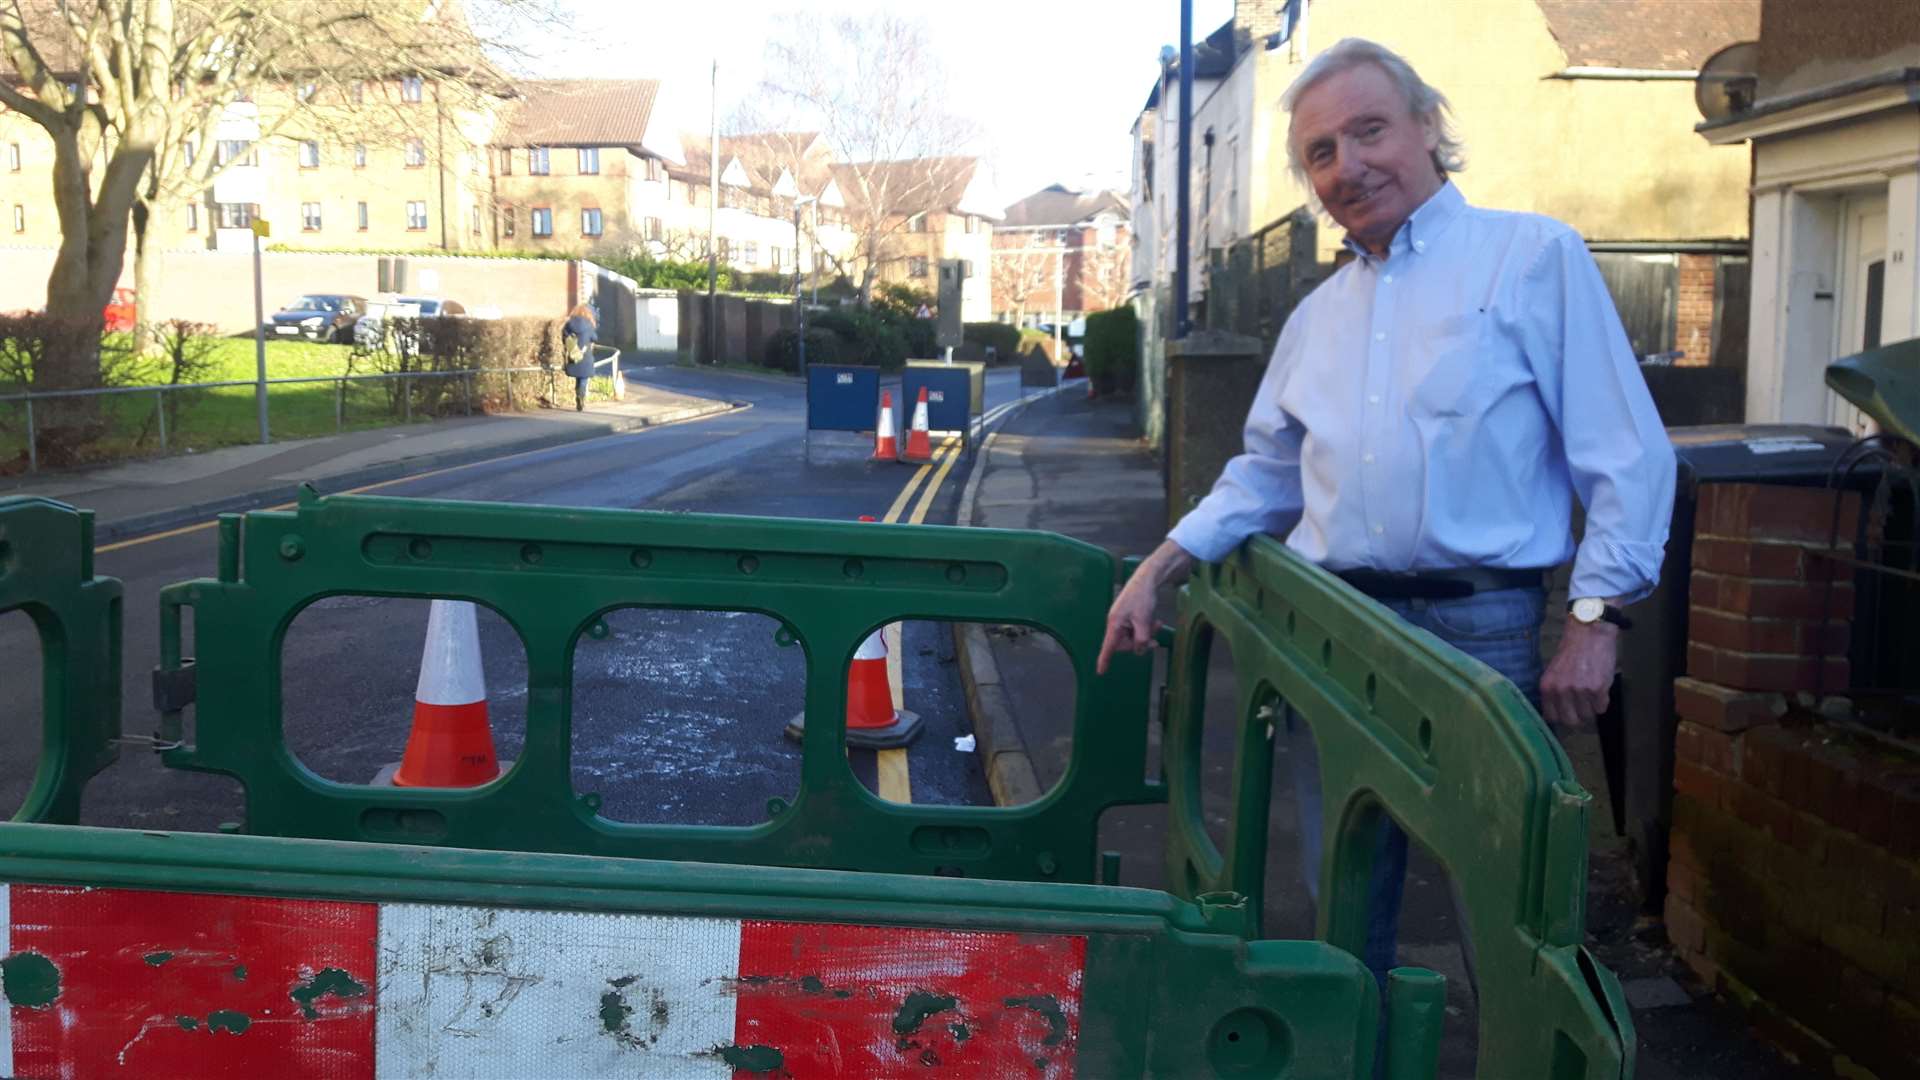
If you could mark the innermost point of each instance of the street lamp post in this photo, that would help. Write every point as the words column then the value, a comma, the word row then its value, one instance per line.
column 799, row 300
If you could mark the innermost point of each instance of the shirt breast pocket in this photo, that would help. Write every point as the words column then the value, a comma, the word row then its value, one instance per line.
column 1459, row 377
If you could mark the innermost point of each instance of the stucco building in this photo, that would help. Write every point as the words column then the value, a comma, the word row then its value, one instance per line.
column 1577, row 110
column 1831, row 109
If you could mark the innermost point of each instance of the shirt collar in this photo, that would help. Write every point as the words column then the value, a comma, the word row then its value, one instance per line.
column 1423, row 226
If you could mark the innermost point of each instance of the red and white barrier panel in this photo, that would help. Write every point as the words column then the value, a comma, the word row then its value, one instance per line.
column 115, row 982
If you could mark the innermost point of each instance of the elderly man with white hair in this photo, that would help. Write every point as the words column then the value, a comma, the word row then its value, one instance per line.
column 1429, row 414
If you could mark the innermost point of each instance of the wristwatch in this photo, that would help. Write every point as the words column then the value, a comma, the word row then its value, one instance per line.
column 1592, row 609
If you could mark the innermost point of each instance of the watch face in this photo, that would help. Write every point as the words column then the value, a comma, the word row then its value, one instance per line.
column 1589, row 608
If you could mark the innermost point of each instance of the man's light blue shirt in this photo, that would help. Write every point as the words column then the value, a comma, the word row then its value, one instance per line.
column 1441, row 407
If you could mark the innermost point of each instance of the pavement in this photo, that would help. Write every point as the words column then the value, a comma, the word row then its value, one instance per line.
column 1073, row 466
column 139, row 497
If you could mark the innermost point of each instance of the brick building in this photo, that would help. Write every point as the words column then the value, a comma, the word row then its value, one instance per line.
column 1061, row 253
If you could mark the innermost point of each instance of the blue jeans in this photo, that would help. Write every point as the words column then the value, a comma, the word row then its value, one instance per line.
column 1501, row 629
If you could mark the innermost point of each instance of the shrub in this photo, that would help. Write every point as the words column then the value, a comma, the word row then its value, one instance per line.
column 1113, row 349
column 870, row 338
column 823, row 347
column 1002, row 338
column 460, row 344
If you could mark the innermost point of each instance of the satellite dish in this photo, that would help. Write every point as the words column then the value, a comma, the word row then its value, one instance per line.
column 1726, row 81
column 1168, row 55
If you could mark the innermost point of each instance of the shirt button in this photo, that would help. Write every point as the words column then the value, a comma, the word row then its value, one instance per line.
column 1373, row 399
column 1382, row 336
column 1388, row 279
column 1378, row 529
column 1419, row 245
column 1366, row 459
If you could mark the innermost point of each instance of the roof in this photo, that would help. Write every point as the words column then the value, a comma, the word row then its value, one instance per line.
column 767, row 154
column 1057, row 205
column 581, row 112
column 1650, row 35
column 907, row 187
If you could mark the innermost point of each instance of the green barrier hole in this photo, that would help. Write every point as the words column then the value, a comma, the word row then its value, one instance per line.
column 1249, row 1042
column 678, row 715
column 22, row 717
column 350, row 672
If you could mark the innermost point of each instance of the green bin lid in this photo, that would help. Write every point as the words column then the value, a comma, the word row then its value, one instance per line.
column 1884, row 383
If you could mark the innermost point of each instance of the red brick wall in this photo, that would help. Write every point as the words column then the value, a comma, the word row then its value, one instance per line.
column 1693, row 315
column 1794, row 874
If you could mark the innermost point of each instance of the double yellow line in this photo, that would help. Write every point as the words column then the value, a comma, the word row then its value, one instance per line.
column 896, row 785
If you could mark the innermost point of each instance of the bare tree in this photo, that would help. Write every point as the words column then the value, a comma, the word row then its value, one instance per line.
column 874, row 89
column 1106, row 275
column 1020, row 272
column 131, row 92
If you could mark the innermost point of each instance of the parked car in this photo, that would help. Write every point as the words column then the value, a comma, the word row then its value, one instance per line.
column 369, row 331
column 318, row 317
column 119, row 314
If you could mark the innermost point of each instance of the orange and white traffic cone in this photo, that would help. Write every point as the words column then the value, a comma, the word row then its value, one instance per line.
column 919, row 444
column 886, row 444
column 872, row 721
column 452, row 743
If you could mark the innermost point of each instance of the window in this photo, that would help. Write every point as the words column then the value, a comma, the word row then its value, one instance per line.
column 777, row 256
column 359, row 155
column 416, row 153
column 917, row 266
column 307, row 90
column 506, row 161
column 410, row 88
column 917, row 223
column 189, row 150
column 656, row 169
column 650, row 227
column 360, row 216
column 310, row 216
column 590, row 222
column 230, row 150
column 506, row 222
column 13, row 157
column 234, row 215
column 417, row 217
column 19, row 218
column 750, row 252
column 537, row 160
column 476, row 221
column 726, row 250
column 542, row 221
column 309, row 154
column 589, row 160
column 973, row 223
column 193, row 217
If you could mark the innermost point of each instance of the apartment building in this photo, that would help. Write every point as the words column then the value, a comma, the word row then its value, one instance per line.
column 1060, row 253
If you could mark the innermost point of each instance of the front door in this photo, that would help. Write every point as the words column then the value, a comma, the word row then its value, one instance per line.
column 1863, row 265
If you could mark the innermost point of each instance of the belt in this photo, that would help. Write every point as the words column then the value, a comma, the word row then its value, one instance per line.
column 1440, row 584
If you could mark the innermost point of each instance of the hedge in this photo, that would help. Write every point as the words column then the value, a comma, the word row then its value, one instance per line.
column 1112, row 347
column 1002, row 338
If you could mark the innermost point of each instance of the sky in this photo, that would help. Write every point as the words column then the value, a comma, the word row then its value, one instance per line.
column 1055, row 86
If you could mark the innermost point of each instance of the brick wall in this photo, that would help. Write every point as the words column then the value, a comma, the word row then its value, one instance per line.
column 1693, row 313
column 1794, row 872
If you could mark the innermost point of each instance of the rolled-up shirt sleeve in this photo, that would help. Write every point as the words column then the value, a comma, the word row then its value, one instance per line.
column 1259, row 491
column 1617, row 450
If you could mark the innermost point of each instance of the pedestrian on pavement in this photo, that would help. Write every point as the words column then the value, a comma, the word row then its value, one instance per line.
column 577, row 336
column 1428, row 416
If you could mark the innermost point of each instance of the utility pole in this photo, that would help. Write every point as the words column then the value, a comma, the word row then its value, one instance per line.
column 260, row 229
column 799, row 299
column 1183, row 183
column 713, row 204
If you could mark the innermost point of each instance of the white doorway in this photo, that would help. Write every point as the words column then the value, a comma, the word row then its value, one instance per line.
column 1863, row 264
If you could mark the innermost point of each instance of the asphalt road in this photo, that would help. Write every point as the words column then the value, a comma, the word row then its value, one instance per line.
column 677, row 714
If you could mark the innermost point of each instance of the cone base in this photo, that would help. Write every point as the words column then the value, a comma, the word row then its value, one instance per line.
column 384, row 778
column 904, row 729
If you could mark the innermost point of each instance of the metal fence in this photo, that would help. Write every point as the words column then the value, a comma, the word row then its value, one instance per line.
column 400, row 398
column 1254, row 283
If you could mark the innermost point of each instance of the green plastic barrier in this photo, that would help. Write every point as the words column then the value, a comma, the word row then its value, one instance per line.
column 1410, row 727
column 553, row 574
column 459, row 953
column 46, row 570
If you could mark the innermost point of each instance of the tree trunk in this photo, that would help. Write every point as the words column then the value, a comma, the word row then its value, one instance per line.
column 146, row 326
